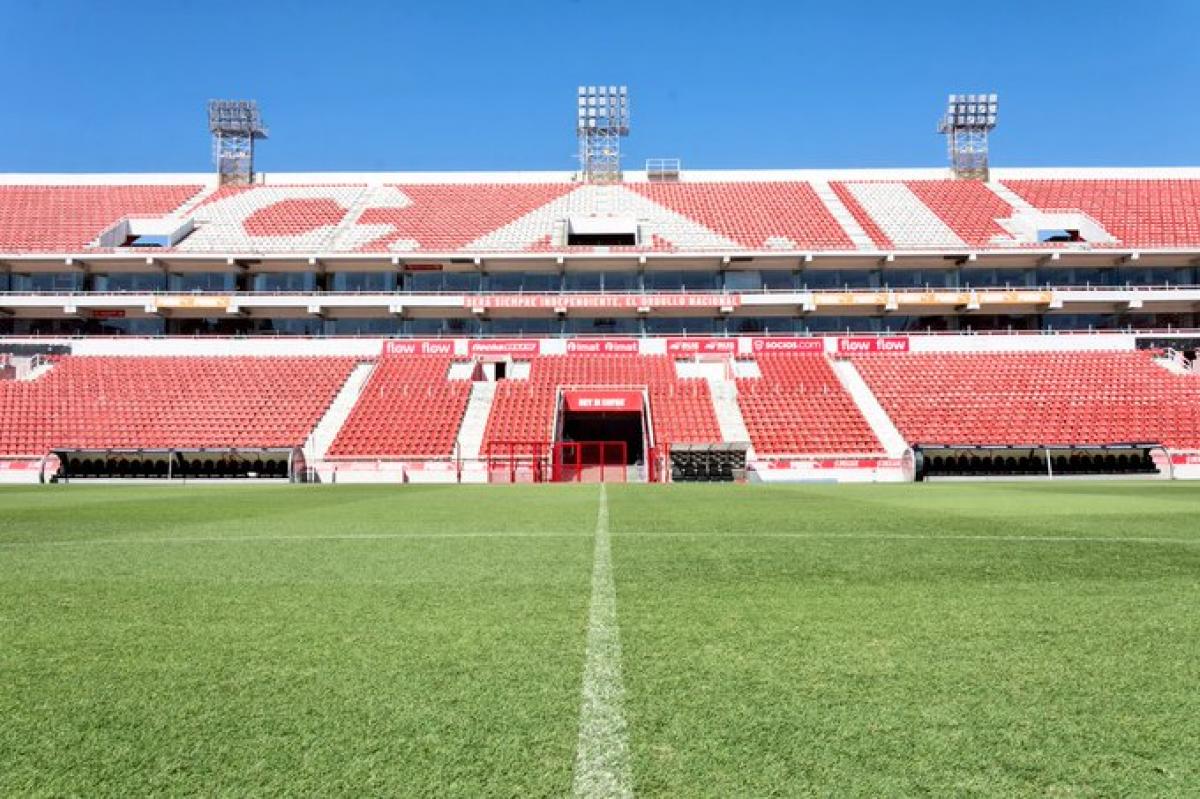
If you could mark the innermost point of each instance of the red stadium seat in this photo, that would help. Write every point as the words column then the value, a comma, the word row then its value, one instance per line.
column 1139, row 213
column 799, row 407
column 407, row 409
column 1065, row 398
column 169, row 402
column 68, row 218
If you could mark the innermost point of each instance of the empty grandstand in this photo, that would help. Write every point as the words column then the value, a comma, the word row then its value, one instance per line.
column 673, row 323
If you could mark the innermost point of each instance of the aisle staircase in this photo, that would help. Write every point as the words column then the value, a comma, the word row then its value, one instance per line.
column 331, row 423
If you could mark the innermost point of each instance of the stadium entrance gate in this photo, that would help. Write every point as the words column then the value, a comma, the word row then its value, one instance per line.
column 600, row 435
column 606, row 428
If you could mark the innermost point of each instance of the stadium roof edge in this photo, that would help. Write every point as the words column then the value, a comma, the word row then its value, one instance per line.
column 688, row 176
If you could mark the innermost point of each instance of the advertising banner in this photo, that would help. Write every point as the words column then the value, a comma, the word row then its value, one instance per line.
column 786, row 344
column 854, row 344
column 192, row 301
column 701, row 346
column 504, row 346
column 602, row 346
column 419, row 346
column 601, row 301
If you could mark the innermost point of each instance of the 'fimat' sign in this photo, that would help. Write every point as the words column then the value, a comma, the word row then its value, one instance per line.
column 602, row 346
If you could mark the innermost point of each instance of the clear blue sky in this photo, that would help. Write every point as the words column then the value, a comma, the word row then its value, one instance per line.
column 121, row 86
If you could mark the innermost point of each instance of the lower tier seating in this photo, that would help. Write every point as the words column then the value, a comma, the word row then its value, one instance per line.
column 1068, row 398
column 407, row 408
column 681, row 409
column 166, row 402
column 799, row 407
column 410, row 407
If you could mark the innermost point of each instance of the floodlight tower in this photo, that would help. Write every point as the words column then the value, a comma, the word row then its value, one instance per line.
column 235, row 125
column 602, row 120
column 968, row 119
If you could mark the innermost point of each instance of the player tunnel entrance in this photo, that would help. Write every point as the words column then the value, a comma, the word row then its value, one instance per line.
column 601, row 433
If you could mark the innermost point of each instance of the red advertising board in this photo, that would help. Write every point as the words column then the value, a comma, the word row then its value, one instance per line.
column 107, row 313
column 601, row 346
column 626, row 301
column 419, row 346
column 504, row 346
column 602, row 400
column 872, row 344
column 891, row 344
column 701, row 346
column 786, row 344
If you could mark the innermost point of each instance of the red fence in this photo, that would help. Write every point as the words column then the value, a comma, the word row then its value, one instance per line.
column 590, row 462
column 518, row 462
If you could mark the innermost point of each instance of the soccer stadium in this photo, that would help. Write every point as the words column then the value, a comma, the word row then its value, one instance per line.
column 628, row 479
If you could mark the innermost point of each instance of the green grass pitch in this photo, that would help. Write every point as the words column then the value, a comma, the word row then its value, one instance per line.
column 951, row 639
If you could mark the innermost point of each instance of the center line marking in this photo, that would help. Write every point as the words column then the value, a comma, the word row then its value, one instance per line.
column 602, row 754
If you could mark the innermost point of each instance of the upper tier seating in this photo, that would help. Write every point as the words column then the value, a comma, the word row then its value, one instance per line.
column 407, row 408
column 690, row 215
column 799, row 407
column 522, row 217
column 1140, row 213
column 450, row 217
column 968, row 207
column 927, row 213
column 68, row 218
column 681, row 409
column 757, row 216
column 256, row 219
column 1064, row 398
column 165, row 402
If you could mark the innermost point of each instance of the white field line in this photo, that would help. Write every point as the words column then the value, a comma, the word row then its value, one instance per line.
column 1017, row 539
column 285, row 539
column 602, row 753
column 500, row 534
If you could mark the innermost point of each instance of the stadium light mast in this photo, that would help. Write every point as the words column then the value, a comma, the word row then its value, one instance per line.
column 968, row 120
column 235, row 125
column 601, row 121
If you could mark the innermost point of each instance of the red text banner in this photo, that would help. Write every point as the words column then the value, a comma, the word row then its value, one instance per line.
column 416, row 346
column 701, row 346
column 602, row 401
column 602, row 301
column 784, row 344
column 504, row 346
column 601, row 346
column 833, row 463
column 872, row 344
